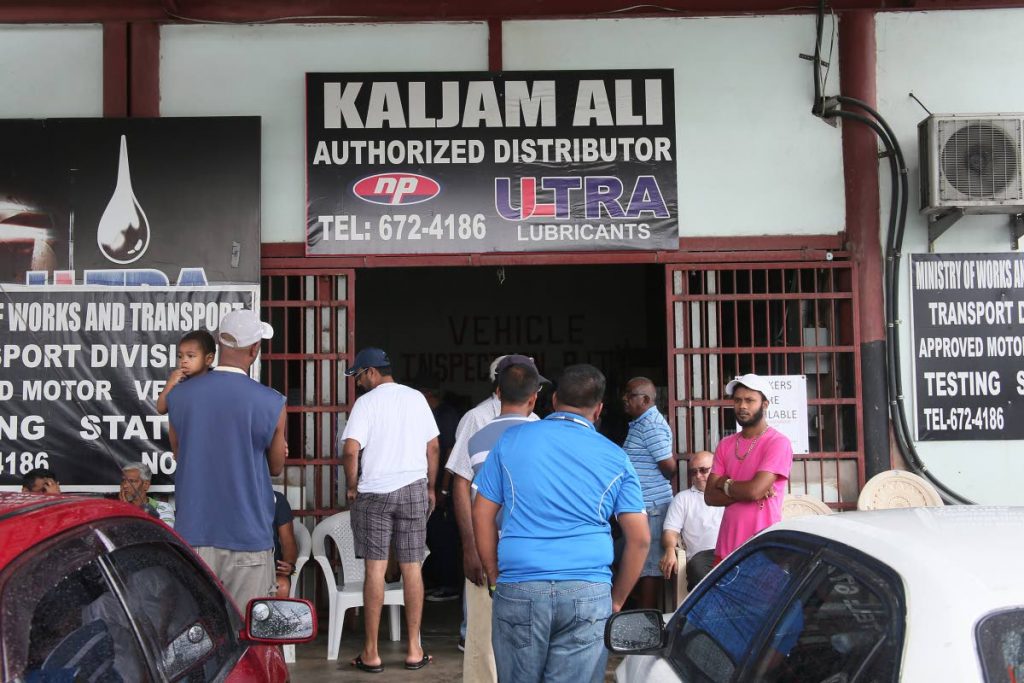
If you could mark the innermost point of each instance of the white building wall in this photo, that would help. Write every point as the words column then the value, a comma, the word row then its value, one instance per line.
column 751, row 158
column 955, row 62
column 51, row 71
column 261, row 71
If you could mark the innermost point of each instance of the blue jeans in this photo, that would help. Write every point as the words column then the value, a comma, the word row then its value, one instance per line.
column 550, row 631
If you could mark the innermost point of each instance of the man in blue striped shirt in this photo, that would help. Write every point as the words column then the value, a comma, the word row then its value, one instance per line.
column 649, row 446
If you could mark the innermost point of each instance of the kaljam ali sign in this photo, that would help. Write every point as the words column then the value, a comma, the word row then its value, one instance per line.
column 449, row 163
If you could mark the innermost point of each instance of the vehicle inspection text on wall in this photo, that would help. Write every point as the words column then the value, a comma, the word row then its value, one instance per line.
column 968, row 343
column 80, row 371
column 472, row 162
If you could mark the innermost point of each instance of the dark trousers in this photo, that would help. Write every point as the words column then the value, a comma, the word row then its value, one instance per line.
column 443, row 567
column 698, row 566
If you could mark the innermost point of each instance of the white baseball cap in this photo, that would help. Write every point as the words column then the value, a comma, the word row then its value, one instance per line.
column 750, row 381
column 494, row 367
column 241, row 328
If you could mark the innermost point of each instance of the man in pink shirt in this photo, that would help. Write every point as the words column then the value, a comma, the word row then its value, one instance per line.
column 750, row 470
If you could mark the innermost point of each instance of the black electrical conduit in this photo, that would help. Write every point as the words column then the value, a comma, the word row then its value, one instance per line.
column 897, row 225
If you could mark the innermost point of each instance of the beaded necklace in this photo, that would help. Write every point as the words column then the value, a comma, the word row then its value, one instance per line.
column 750, row 446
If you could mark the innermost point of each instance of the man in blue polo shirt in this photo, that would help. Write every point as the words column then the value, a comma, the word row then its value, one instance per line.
column 649, row 447
column 556, row 483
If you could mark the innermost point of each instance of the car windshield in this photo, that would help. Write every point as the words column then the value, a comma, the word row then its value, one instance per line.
column 710, row 641
column 1000, row 639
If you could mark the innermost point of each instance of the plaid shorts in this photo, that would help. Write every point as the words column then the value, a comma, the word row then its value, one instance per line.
column 401, row 514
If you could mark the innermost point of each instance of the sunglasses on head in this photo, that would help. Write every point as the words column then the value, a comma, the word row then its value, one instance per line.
column 695, row 470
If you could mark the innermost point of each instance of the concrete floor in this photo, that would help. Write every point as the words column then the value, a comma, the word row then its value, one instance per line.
column 440, row 639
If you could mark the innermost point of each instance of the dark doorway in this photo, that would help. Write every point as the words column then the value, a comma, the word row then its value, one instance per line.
column 452, row 322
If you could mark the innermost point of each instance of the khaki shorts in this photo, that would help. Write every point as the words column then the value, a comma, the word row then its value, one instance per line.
column 246, row 575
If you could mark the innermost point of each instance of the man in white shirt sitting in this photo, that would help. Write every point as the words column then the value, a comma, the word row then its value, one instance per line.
column 697, row 521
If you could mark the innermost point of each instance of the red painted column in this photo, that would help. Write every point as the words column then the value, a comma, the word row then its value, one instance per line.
column 857, row 69
column 494, row 55
column 115, row 69
column 144, row 69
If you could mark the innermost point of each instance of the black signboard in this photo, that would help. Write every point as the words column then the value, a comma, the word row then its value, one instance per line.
column 468, row 162
column 968, row 312
column 80, row 371
column 130, row 201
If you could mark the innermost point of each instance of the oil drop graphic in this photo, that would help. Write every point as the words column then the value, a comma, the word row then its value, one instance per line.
column 123, row 233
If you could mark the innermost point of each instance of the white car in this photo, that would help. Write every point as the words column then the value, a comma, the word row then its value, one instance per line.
column 915, row 594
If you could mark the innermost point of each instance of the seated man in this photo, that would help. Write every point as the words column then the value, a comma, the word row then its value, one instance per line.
column 40, row 480
column 286, row 549
column 697, row 521
column 135, row 480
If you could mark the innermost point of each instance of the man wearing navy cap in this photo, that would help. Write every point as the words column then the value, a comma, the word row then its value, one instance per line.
column 390, row 454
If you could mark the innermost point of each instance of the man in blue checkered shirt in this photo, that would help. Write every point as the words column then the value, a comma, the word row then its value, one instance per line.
column 649, row 446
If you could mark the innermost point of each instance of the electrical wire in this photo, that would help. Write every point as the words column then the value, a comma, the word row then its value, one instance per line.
column 897, row 225
column 893, row 257
column 171, row 13
column 831, row 47
column 830, row 107
column 818, row 105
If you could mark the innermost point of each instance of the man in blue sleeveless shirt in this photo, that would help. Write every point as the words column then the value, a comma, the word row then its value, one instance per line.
column 227, row 433
column 556, row 482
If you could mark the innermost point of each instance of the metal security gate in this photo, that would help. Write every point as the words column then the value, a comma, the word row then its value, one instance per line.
column 312, row 311
column 772, row 319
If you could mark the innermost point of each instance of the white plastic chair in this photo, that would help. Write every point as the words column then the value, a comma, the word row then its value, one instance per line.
column 350, row 593
column 305, row 543
column 897, row 489
column 803, row 506
column 679, row 588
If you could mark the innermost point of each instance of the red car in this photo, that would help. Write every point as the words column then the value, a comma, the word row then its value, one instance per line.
column 95, row 590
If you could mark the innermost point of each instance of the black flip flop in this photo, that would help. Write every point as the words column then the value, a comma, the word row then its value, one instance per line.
column 413, row 666
column 363, row 666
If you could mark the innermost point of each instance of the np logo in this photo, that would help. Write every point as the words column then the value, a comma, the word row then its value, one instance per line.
column 396, row 188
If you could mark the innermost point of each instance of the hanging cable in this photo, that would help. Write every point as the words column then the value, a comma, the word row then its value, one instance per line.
column 899, row 194
column 831, row 107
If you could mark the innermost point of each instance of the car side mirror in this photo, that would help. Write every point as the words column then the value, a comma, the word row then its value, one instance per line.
column 635, row 632
column 280, row 621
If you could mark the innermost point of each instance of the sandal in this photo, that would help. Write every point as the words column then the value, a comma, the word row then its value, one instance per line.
column 413, row 666
column 363, row 666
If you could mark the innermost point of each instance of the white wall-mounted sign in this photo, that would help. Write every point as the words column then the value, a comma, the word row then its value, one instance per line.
column 787, row 411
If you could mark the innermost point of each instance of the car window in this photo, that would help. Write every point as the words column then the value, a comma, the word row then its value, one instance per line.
column 1000, row 639
column 710, row 641
column 842, row 626
column 181, row 613
column 51, row 629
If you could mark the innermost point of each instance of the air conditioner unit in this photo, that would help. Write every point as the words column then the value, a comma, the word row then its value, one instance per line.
column 972, row 163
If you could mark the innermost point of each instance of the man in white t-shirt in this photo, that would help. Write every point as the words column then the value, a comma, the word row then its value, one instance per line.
column 390, row 454
column 697, row 521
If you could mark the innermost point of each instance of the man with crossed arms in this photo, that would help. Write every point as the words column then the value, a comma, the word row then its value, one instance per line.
column 751, row 468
